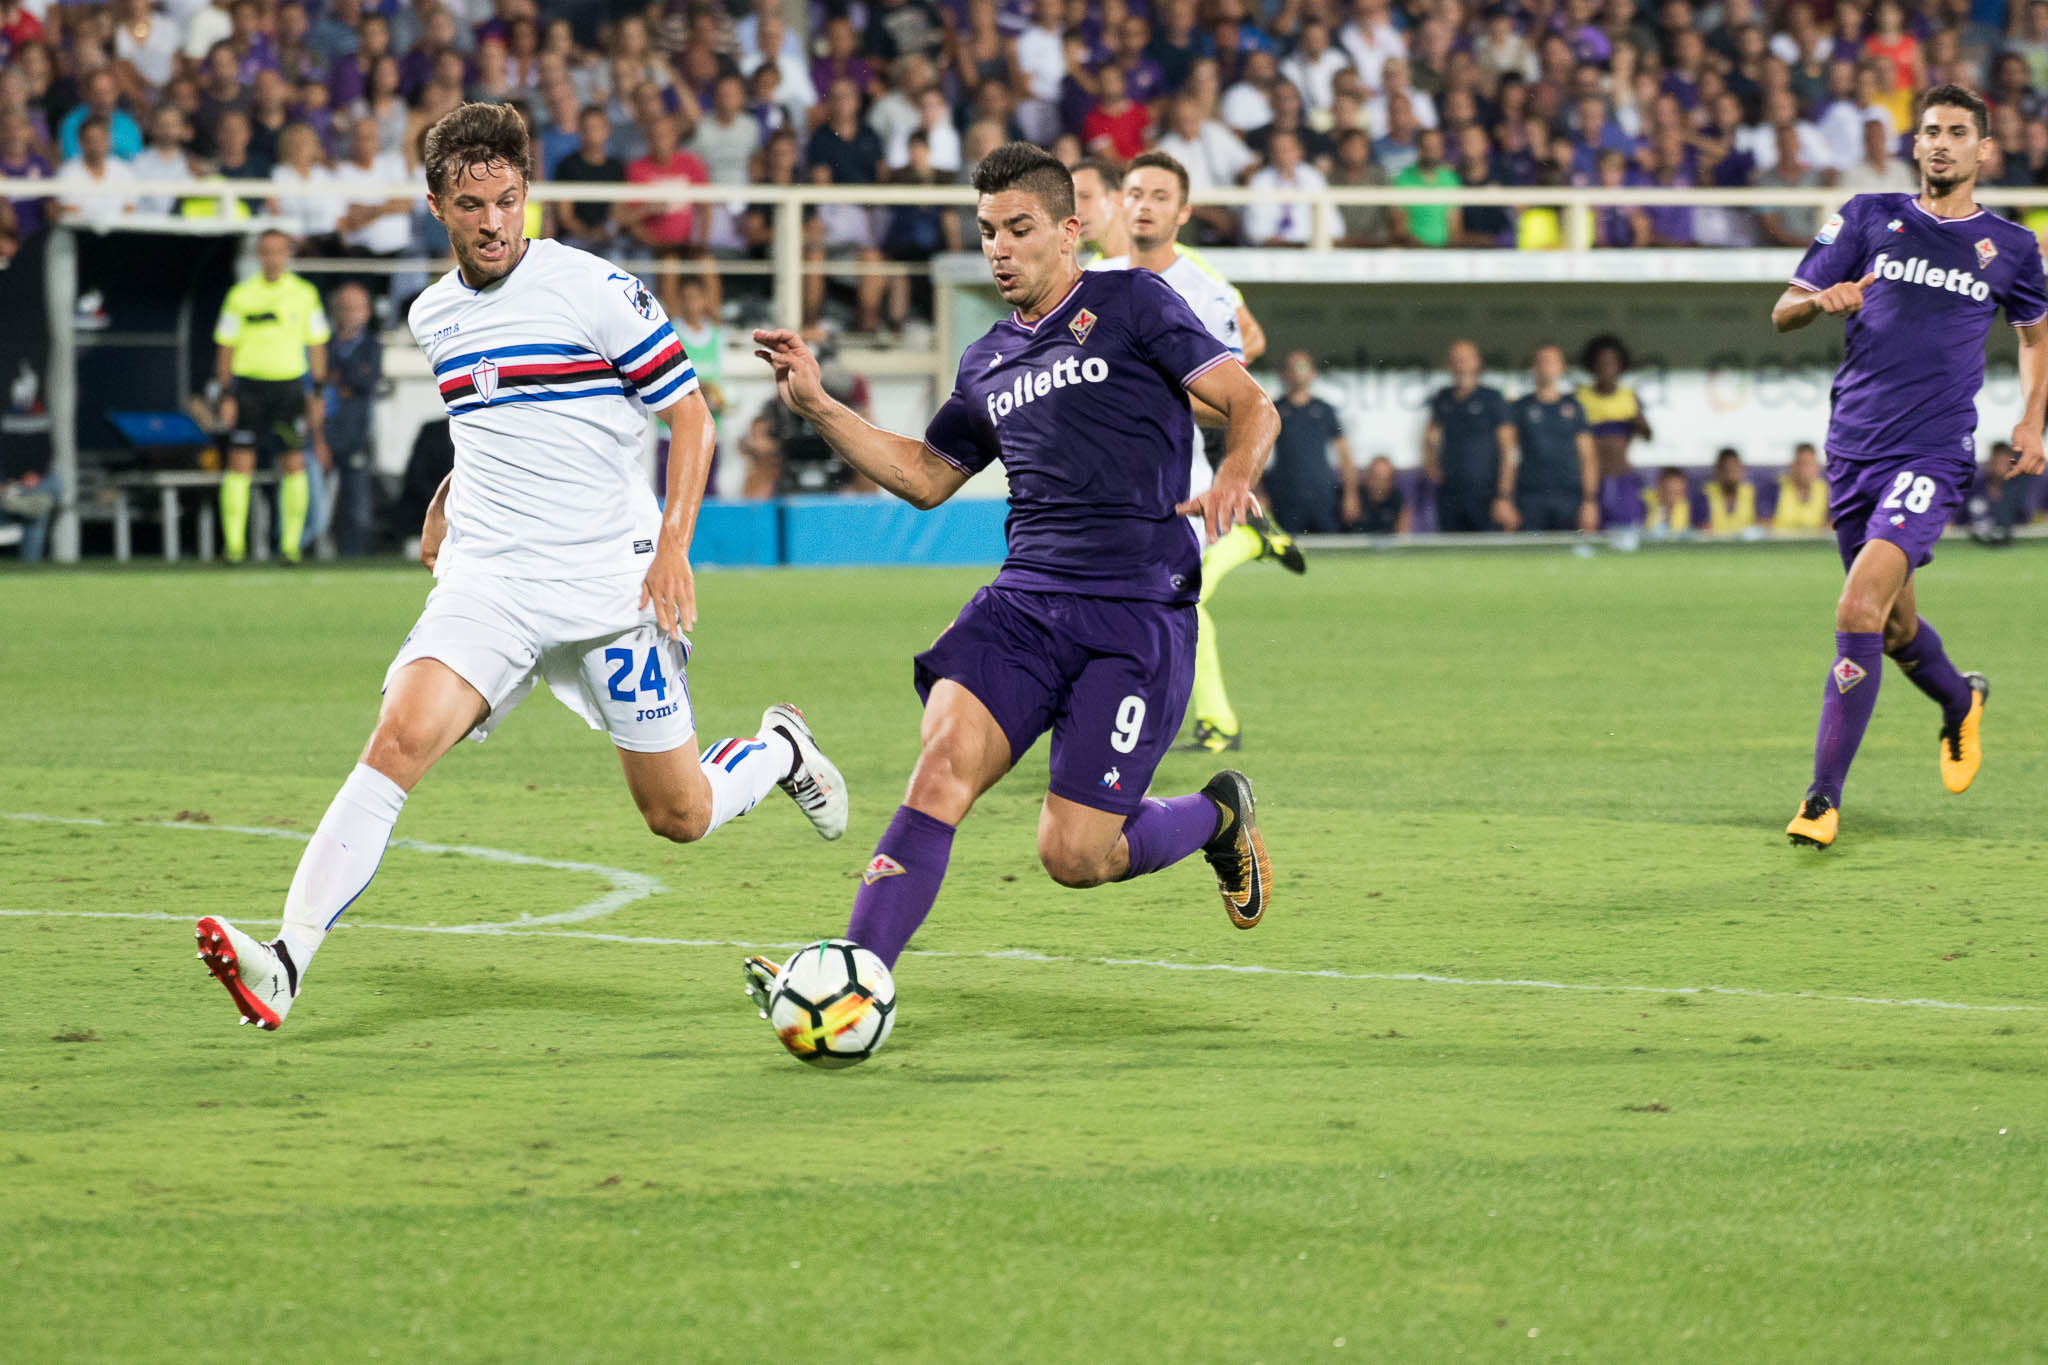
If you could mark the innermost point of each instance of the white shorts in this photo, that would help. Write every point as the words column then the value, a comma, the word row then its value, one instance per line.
column 601, row 653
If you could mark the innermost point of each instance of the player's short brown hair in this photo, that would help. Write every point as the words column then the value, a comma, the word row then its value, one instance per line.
column 475, row 135
column 1105, row 171
column 1955, row 97
column 1028, row 167
column 1164, row 162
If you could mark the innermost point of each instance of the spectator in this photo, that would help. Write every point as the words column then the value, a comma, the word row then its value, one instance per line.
column 20, row 160
column 1300, row 493
column 780, row 52
column 1394, row 88
column 1667, row 509
column 302, row 196
column 1427, row 224
column 847, row 148
column 843, row 232
column 670, row 230
column 1481, row 225
column 27, row 499
column 1178, row 44
column 103, row 102
column 1144, row 83
column 1248, row 103
column 145, row 43
column 1288, row 118
column 355, row 375
column 589, row 223
column 696, row 325
column 841, row 61
column 1273, row 220
column 2000, row 501
column 372, row 229
column 1468, row 449
column 1372, row 39
column 1889, row 42
column 916, row 232
column 1313, row 67
column 1615, row 415
column 1117, row 126
column 726, row 140
column 1731, row 497
column 220, row 92
column 1618, row 224
column 163, row 158
column 904, row 28
column 1380, row 509
column 1557, row 481
column 234, row 158
column 1788, row 225
column 559, row 135
column 1212, row 153
column 95, row 161
column 1802, row 493
column 349, row 74
column 1395, row 150
column 1365, row 225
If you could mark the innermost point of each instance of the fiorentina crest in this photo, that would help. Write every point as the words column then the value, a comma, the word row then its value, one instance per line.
column 484, row 374
column 882, row 866
column 1848, row 673
column 1082, row 324
column 1987, row 252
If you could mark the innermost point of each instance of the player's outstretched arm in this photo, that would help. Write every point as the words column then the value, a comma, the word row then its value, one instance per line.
column 900, row 464
column 669, row 584
column 1796, row 307
column 1250, row 426
column 435, row 529
column 2027, row 456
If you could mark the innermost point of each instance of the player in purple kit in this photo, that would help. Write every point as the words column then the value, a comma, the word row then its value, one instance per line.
column 1089, row 628
column 1916, row 279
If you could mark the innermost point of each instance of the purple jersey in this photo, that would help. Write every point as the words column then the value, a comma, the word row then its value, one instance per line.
column 1087, row 408
column 1915, row 353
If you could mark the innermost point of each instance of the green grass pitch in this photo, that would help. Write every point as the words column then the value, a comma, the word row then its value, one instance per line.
column 1490, row 771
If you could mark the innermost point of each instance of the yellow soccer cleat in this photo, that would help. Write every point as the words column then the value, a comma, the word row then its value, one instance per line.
column 1815, row 824
column 1961, row 751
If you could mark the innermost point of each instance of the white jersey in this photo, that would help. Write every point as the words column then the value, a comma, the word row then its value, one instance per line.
column 548, row 376
column 1215, row 302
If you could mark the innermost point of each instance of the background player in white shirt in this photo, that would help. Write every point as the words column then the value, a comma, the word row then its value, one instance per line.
column 552, row 558
column 1156, row 207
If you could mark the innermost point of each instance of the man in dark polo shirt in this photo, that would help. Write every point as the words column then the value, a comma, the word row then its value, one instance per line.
column 1299, row 491
column 589, row 223
column 1468, row 449
column 1557, row 483
column 843, row 142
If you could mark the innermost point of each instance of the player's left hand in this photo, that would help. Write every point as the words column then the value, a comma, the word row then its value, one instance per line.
column 2027, row 457
column 672, row 589
column 1225, row 505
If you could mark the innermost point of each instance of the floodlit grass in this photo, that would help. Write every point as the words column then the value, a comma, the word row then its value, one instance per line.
column 1530, row 768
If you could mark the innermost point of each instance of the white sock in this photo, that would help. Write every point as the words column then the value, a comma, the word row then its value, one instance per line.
column 340, row 860
column 742, row 771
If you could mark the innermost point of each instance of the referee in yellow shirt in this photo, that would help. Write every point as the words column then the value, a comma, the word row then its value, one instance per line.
column 271, row 338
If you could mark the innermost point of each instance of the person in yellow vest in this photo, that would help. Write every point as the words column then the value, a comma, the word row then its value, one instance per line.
column 1667, row 508
column 1731, row 497
column 1802, row 493
column 270, row 340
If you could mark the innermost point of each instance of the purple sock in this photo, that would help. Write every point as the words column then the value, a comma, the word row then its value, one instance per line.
column 1845, row 706
column 900, row 884
column 1161, row 833
column 1925, row 662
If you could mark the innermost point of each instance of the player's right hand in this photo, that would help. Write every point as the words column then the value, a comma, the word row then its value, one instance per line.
column 1839, row 299
column 796, row 370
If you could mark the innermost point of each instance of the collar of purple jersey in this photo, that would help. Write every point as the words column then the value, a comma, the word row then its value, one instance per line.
column 1939, row 219
column 1050, row 313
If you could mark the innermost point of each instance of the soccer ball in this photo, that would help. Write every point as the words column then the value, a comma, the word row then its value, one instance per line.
column 833, row 1004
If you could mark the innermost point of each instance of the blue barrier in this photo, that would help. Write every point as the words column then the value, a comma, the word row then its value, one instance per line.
column 823, row 530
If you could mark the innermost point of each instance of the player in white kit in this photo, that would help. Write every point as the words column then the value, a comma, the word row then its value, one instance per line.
column 1155, row 207
column 551, row 557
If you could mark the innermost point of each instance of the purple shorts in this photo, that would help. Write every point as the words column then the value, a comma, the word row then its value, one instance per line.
column 1110, row 679
column 1905, row 499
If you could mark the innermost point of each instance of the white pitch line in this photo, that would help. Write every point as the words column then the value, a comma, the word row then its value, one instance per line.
column 631, row 886
column 627, row 887
column 1026, row 955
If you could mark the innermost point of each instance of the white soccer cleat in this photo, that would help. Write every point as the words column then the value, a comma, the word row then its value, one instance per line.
column 817, row 788
column 262, row 983
column 761, row 974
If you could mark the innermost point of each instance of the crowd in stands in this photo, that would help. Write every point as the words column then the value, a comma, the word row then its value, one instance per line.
column 1275, row 94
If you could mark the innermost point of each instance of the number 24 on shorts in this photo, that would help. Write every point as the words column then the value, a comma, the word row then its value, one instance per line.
column 651, row 677
column 1916, row 491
